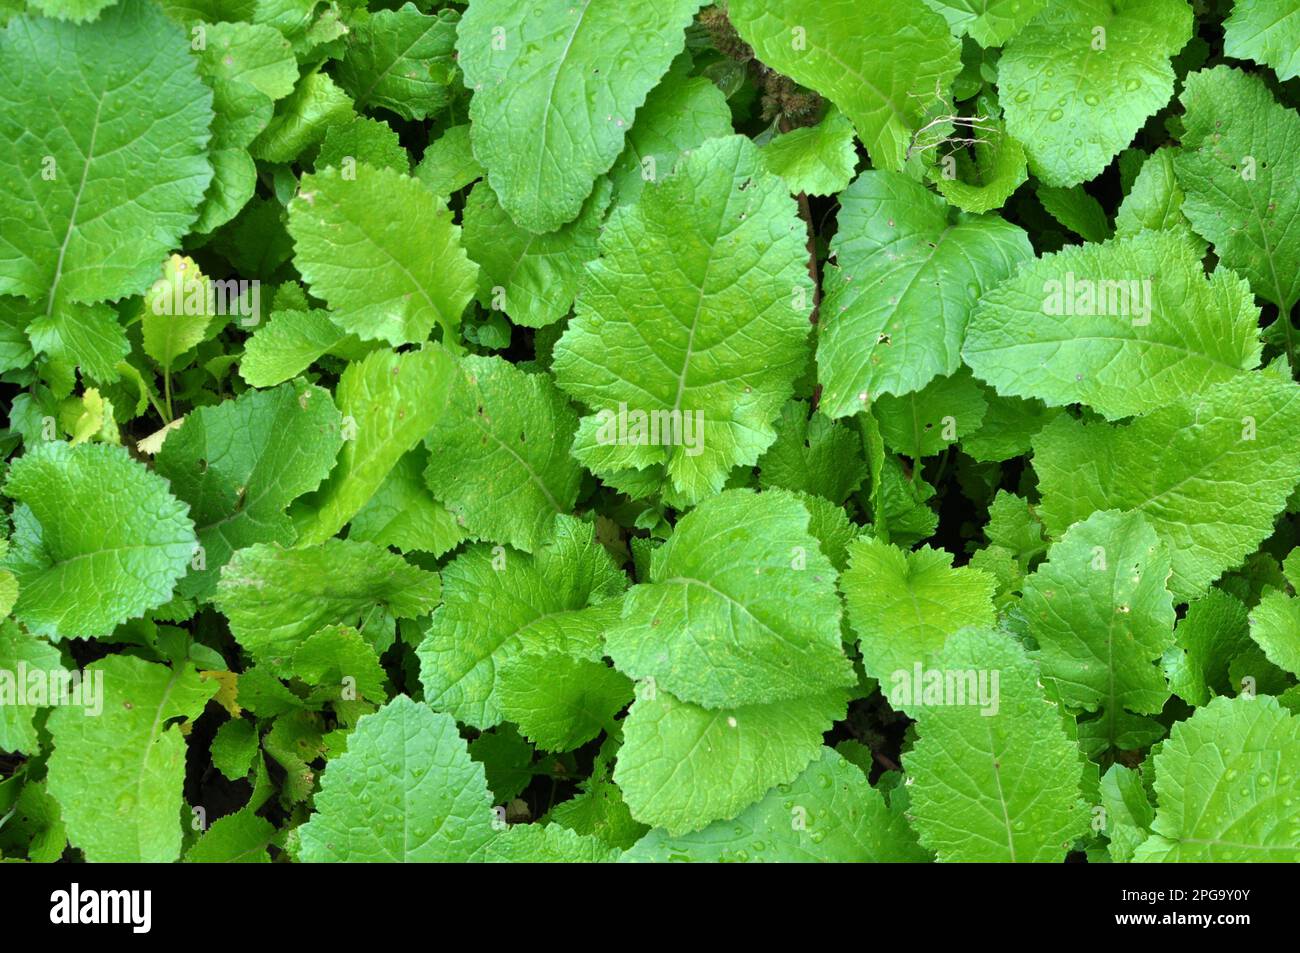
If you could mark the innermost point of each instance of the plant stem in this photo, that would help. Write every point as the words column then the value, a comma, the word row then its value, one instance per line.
column 943, row 465
column 1284, row 315
column 805, row 212
column 157, row 407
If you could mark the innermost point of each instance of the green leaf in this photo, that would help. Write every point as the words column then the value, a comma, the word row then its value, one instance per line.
column 250, row 53
column 1009, row 426
column 818, row 160
column 289, row 343
column 987, row 22
column 462, row 662
column 601, row 812
column 15, row 348
column 552, row 844
column 1224, row 786
column 683, row 767
column 23, row 654
column 498, row 603
column 1209, row 473
column 240, row 464
column 363, row 140
column 401, row 60
column 301, row 119
column 8, row 585
column 248, row 66
column 740, row 607
column 264, row 695
column 234, row 180
column 1014, row 527
column 1124, row 327
column 1128, row 811
column 499, row 455
column 90, row 418
column 405, row 790
column 116, row 175
column 88, row 336
column 1076, row 210
column 239, row 838
column 679, row 114
column 982, row 177
column 74, row 10
column 908, row 272
column 999, row 783
column 1275, row 627
column 388, row 401
column 1253, row 674
column 560, row 702
column 902, row 507
column 274, row 598
column 294, row 741
column 1214, row 631
column 403, row 513
column 81, row 577
column 813, row 454
column 532, row 278
column 831, row 527
column 256, row 241
column 175, row 315
column 1156, row 201
column 884, row 79
column 233, row 748
column 35, row 824
column 448, row 164
column 829, row 814
column 556, row 85
column 187, row 11
column 507, row 760
column 1012, row 524
column 1266, row 31
column 1102, row 617
column 1291, row 568
column 338, row 659
column 933, row 418
column 904, row 606
column 1238, row 166
column 1083, row 76
column 717, row 251
column 118, row 777
column 383, row 252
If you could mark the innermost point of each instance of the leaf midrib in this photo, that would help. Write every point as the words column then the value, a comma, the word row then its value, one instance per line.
column 76, row 205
